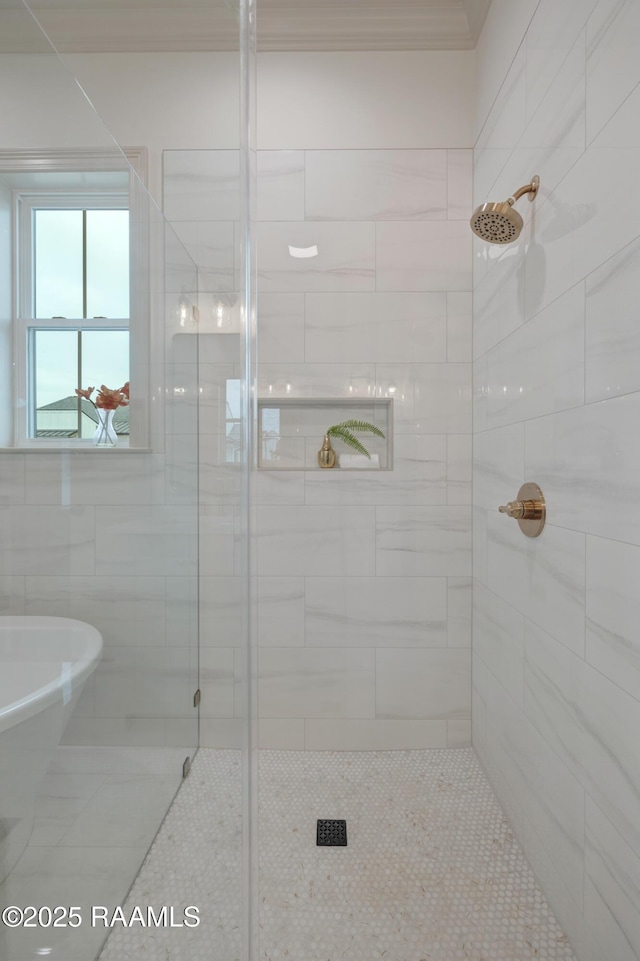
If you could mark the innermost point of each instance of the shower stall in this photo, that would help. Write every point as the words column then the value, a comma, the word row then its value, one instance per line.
column 316, row 672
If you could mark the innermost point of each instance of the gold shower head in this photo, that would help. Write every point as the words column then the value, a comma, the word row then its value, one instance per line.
column 499, row 223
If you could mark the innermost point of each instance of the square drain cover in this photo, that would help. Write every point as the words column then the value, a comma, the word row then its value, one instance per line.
column 332, row 834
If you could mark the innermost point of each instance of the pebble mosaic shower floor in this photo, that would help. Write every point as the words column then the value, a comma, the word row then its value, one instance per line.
column 431, row 871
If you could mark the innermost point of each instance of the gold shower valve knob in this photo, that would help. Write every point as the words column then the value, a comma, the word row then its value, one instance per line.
column 529, row 509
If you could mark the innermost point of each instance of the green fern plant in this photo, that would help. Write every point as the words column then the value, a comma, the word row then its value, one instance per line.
column 345, row 431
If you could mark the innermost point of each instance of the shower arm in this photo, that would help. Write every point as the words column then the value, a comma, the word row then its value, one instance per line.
column 531, row 189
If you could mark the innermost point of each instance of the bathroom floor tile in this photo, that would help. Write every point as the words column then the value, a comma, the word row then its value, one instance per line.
column 432, row 869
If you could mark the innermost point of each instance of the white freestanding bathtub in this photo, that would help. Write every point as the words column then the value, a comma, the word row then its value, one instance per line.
column 44, row 661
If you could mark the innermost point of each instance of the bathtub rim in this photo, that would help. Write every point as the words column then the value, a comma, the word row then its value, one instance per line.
column 42, row 697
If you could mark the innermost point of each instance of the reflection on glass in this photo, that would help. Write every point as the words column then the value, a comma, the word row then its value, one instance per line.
column 58, row 263
column 108, row 263
column 233, row 421
column 269, row 434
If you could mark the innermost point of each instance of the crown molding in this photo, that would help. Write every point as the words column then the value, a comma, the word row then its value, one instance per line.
column 146, row 26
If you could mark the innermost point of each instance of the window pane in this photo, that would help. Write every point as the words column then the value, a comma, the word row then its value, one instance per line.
column 55, row 369
column 105, row 360
column 108, row 263
column 58, row 263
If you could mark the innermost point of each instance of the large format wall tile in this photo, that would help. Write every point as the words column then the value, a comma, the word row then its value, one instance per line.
column 354, row 734
column 601, row 754
column 543, row 577
column 221, row 611
column 316, row 540
column 539, row 368
column 316, row 380
column 384, row 311
column 428, row 398
column 613, row 611
column 282, row 333
column 505, row 734
column 281, row 175
column 146, row 540
column 580, row 230
column 211, row 245
column 554, row 137
column 554, row 805
column 140, row 682
column 459, row 184
column 550, row 38
column 47, row 540
column 459, row 469
column 498, row 639
column 423, row 541
column 613, row 69
column 459, row 327
column 345, row 257
column 12, row 479
column 565, row 907
column 589, row 466
column 217, row 682
column 431, row 685
column 379, row 327
column 498, row 465
column 281, row 611
column 612, row 887
column 498, row 297
column 376, row 612
column 459, row 613
column 376, row 184
column 428, row 255
column 305, row 682
column 12, row 591
column 126, row 610
column 220, row 528
column 612, row 342
column 555, row 377
column 201, row 185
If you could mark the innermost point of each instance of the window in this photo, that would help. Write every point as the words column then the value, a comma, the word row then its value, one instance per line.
column 74, row 309
column 79, row 319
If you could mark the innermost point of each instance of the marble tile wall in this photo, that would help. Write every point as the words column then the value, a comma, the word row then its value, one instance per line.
column 556, row 659
column 363, row 578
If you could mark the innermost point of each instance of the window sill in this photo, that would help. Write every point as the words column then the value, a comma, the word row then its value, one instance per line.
column 75, row 449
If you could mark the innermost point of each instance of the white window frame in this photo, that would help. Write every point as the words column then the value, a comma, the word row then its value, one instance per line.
column 27, row 323
column 25, row 201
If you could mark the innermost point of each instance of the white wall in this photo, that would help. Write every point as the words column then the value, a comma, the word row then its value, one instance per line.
column 556, row 671
column 332, row 101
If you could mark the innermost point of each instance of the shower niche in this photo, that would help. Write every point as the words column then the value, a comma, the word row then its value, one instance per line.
column 291, row 429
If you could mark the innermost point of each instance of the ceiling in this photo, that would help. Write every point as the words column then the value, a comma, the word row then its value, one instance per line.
column 283, row 25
